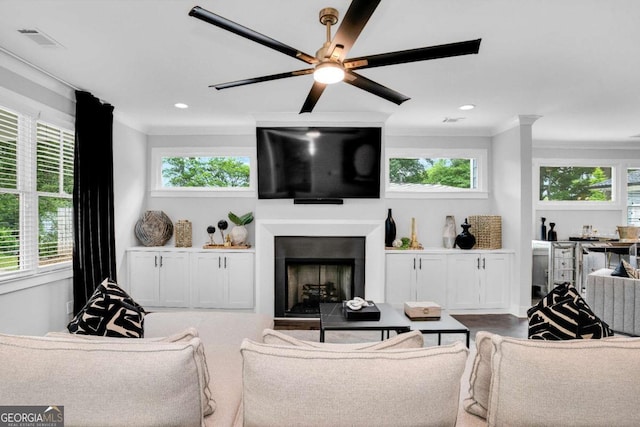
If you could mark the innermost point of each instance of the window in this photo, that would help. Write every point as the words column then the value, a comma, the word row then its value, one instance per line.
column 633, row 196
column 36, row 186
column 444, row 173
column 576, row 184
column 203, row 171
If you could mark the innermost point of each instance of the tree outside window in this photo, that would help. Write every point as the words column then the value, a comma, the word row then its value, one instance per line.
column 453, row 173
column 226, row 172
column 576, row 183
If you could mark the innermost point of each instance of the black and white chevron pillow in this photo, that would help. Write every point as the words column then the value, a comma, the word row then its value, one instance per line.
column 563, row 315
column 109, row 312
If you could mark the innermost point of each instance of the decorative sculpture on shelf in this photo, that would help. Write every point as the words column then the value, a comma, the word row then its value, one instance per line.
column 239, row 233
column 154, row 228
column 465, row 240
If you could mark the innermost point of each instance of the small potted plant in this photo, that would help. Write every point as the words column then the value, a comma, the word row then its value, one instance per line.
column 239, row 233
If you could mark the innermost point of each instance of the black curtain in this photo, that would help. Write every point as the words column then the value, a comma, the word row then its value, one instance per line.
column 94, row 255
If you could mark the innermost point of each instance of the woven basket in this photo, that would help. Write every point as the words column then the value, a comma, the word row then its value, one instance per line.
column 488, row 231
column 183, row 233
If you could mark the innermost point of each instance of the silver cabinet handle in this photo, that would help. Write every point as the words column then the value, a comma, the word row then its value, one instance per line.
column 160, row 260
column 225, row 262
column 484, row 261
column 414, row 263
column 219, row 262
column 420, row 264
column 155, row 261
column 478, row 263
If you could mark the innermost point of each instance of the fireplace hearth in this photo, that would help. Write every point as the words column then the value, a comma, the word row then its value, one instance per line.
column 312, row 270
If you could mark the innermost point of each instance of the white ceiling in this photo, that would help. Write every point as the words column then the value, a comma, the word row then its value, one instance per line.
column 576, row 63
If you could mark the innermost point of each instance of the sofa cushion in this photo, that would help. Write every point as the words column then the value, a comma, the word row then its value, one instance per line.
column 110, row 312
column 480, row 378
column 221, row 333
column 106, row 382
column 184, row 336
column 563, row 314
column 565, row 383
column 413, row 339
column 285, row 385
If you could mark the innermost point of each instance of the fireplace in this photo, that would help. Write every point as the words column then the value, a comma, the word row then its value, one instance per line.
column 310, row 270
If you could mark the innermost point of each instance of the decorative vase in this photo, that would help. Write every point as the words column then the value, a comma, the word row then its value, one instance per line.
column 552, row 236
column 449, row 232
column 465, row 240
column 389, row 230
column 543, row 229
column 183, row 233
column 238, row 235
column 154, row 228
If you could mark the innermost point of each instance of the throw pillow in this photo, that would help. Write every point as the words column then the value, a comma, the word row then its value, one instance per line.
column 411, row 339
column 620, row 270
column 631, row 272
column 109, row 312
column 563, row 314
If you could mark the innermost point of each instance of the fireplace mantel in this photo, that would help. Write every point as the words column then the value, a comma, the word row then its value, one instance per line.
column 266, row 230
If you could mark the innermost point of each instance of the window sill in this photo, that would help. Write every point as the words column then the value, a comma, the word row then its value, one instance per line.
column 436, row 195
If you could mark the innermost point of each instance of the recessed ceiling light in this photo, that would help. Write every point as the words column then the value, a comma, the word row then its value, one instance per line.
column 180, row 105
column 466, row 107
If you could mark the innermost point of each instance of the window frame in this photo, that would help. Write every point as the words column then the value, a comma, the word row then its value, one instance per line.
column 30, row 114
column 480, row 154
column 155, row 171
column 616, row 180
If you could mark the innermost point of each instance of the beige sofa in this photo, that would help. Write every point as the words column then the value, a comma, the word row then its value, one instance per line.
column 194, row 362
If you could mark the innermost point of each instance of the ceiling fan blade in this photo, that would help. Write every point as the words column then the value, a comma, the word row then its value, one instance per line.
column 312, row 98
column 219, row 21
column 370, row 86
column 352, row 24
column 243, row 82
column 412, row 55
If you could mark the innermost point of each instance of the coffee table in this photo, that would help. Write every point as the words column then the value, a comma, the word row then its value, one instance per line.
column 332, row 319
column 443, row 325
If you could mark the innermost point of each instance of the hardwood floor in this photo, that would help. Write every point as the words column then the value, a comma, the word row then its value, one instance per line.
column 503, row 324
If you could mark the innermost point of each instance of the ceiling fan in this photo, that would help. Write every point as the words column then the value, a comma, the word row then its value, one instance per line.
column 330, row 64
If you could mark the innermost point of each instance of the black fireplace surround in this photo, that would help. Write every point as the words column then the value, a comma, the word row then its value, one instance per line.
column 342, row 255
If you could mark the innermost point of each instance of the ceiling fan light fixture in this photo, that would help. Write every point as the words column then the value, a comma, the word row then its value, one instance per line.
column 328, row 72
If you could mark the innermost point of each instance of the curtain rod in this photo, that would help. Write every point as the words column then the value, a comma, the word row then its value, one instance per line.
column 35, row 67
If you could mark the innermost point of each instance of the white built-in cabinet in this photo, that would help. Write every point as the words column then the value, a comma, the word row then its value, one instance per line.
column 222, row 280
column 414, row 277
column 479, row 280
column 159, row 278
column 455, row 279
column 190, row 277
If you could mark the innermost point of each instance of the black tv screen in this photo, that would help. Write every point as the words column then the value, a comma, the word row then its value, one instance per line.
column 310, row 163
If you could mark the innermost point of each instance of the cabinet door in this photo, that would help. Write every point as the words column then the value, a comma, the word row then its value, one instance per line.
column 495, row 269
column 400, row 278
column 239, row 281
column 431, row 283
column 143, row 277
column 207, row 280
column 174, row 279
column 464, row 281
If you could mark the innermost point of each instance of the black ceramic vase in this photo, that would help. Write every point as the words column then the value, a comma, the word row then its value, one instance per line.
column 465, row 240
column 389, row 230
column 543, row 229
column 552, row 236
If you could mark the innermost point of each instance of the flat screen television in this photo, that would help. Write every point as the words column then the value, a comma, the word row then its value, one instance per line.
column 318, row 164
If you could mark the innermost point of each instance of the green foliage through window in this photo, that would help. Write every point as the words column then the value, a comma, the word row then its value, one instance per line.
column 434, row 172
column 575, row 183
column 220, row 172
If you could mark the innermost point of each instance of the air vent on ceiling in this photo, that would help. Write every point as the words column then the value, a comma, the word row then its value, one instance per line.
column 452, row 119
column 39, row 37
